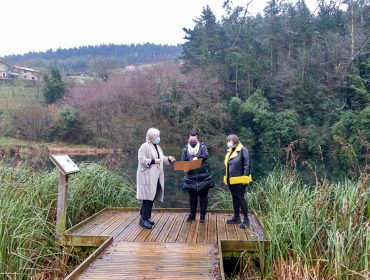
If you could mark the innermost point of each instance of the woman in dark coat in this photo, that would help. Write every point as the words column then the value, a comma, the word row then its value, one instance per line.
column 237, row 177
column 197, row 181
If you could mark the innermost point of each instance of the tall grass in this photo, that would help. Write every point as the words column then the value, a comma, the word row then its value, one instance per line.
column 28, row 248
column 316, row 232
column 95, row 188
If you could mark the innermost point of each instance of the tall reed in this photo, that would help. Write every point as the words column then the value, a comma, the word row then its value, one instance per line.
column 28, row 248
column 321, row 231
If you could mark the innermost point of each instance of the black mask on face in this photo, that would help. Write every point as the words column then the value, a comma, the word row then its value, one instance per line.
column 193, row 143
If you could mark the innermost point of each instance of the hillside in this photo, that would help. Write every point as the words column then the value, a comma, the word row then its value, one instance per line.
column 82, row 59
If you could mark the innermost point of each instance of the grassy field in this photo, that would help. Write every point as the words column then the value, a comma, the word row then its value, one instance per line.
column 19, row 95
column 28, row 249
column 316, row 232
column 14, row 97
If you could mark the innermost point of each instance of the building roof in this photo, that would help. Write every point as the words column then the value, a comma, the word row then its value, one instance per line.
column 26, row 69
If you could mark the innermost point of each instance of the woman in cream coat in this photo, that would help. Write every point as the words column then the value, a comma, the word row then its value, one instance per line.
column 150, row 176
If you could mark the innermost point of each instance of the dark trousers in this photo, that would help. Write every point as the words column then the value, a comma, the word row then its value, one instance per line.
column 193, row 200
column 146, row 209
column 239, row 201
column 147, row 206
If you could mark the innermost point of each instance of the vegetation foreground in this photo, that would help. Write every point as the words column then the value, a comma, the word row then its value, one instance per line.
column 316, row 232
column 28, row 249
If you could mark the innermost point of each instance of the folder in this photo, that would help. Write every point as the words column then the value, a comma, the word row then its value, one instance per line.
column 187, row 165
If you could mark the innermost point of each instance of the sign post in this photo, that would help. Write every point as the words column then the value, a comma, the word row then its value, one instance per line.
column 66, row 167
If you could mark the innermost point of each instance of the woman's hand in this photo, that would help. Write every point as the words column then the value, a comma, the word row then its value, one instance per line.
column 157, row 161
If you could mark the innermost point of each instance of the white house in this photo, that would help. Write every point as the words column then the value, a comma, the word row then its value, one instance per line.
column 8, row 71
column 4, row 70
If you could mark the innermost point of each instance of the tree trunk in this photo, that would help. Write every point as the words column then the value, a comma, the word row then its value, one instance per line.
column 352, row 31
column 236, row 81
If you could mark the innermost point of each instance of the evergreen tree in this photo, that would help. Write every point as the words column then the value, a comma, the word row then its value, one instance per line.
column 54, row 87
column 202, row 46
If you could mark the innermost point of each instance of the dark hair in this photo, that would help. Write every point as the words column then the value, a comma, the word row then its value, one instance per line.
column 193, row 133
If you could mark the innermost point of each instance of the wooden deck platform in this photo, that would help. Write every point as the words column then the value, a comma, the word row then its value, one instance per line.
column 173, row 249
column 150, row 260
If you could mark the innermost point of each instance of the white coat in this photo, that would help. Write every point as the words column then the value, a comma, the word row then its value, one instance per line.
column 147, row 174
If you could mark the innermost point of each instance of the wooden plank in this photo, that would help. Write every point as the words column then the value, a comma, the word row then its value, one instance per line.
column 82, row 241
column 223, row 211
column 112, row 217
column 241, row 234
column 158, row 227
column 212, row 229
column 144, row 233
column 173, row 234
column 221, row 259
column 121, row 218
column 241, row 246
column 184, row 231
column 129, row 227
column 76, row 227
column 167, row 228
column 136, row 229
column 202, row 231
column 221, row 227
column 193, row 232
column 132, row 216
column 230, row 229
column 149, row 260
column 89, row 260
column 91, row 224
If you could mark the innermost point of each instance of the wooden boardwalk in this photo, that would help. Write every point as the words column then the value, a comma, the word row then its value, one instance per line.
column 138, row 260
column 173, row 249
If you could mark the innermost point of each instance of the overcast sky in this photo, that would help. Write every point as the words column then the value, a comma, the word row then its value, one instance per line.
column 39, row 25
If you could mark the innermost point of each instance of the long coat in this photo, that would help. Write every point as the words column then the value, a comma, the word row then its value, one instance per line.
column 237, row 166
column 200, row 178
column 147, row 174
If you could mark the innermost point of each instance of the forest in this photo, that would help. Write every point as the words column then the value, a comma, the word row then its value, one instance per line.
column 84, row 58
column 292, row 83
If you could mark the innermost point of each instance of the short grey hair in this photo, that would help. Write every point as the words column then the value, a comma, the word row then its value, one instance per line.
column 234, row 138
column 152, row 134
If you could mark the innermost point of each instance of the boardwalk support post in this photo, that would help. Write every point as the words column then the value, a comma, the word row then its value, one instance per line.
column 61, row 224
column 66, row 167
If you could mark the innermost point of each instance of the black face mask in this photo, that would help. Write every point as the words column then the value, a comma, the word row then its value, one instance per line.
column 193, row 143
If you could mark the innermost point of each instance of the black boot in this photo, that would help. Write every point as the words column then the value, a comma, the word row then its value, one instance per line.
column 151, row 222
column 191, row 217
column 145, row 224
column 202, row 218
column 234, row 220
column 245, row 223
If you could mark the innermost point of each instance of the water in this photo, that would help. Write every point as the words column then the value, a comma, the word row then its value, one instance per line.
column 333, row 167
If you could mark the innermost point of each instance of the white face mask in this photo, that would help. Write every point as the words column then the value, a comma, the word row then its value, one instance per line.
column 230, row 144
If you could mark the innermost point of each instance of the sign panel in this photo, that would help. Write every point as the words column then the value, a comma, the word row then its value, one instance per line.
column 187, row 165
column 65, row 164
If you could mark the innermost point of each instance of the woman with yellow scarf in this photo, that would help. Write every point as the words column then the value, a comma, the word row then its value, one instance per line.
column 237, row 177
